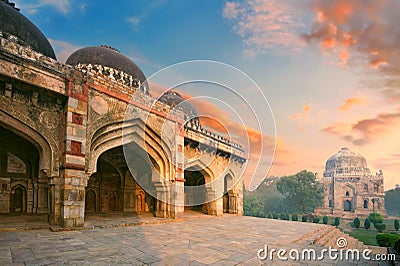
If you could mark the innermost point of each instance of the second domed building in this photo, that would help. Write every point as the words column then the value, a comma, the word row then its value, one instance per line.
column 350, row 188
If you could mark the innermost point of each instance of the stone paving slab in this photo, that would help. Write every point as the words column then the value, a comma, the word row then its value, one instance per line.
column 227, row 240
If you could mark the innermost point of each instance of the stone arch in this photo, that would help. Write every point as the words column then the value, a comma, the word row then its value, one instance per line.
column 203, row 168
column 110, row 136
column 46, row 152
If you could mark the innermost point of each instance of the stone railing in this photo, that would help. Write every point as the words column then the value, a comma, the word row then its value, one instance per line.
column 112, row 75
column 197, row 128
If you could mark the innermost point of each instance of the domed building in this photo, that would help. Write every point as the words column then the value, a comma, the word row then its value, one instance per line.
column 87, row 137
column 174, row 99
column 350, row 188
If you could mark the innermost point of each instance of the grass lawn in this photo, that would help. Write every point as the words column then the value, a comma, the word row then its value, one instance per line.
column 368, row 237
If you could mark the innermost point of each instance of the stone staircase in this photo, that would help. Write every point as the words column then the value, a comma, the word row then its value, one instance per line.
column 328, row 236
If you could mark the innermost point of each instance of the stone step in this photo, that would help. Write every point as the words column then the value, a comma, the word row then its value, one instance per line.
column 311, row 237
column 327, row 238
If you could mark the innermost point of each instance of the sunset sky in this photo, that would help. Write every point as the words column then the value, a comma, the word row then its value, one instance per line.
column 329, row 69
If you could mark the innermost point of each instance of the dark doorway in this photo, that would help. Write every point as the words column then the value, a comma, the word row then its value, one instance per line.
column 195, row 191
column 347, row 206
column 18, row 201
column 90, row 201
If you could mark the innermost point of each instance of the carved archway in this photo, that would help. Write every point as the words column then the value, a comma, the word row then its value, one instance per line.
column 47, row 154
column 110, row 136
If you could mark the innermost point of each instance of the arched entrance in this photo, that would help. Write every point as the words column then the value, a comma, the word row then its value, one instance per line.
column 24, row 188
column 195, row 191
column 117, row 188
column 347, row 206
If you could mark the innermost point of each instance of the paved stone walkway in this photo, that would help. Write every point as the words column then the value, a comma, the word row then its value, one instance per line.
column 227, row 240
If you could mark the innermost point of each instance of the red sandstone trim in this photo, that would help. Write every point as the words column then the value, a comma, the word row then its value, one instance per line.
column 73, row 166
column 127, row 99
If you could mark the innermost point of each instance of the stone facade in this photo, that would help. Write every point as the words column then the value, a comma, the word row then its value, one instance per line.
column 65, row 135
column 350, row 188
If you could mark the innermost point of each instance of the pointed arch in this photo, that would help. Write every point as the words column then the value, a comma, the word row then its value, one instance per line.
column 47, row 155
column 128, row 132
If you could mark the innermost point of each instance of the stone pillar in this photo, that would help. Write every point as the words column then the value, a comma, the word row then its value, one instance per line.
column 73, row 200
column 216, row 206
column 54, row 200
column 73, row 177
column 178, row 189
column 162, row 199
column 177, row 200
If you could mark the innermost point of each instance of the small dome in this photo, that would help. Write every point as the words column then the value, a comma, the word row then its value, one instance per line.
column 110, row 57
column 345, row 159
column 174, row 99
column 14, row 23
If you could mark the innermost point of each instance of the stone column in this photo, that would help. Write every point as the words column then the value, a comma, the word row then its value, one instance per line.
column 162, row 199
column 216, row 206
column 73, row 177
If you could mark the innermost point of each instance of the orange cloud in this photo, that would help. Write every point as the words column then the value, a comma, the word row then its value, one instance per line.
column 356, row 30
column 351, row 102
column 303, row 115
column 365, row 130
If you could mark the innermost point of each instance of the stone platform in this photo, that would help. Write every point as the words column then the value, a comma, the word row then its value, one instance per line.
column 196, row 239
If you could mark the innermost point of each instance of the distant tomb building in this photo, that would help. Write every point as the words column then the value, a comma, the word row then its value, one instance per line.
column 350, row 188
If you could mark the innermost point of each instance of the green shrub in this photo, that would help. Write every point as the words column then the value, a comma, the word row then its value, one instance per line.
column 387, row 240
column 367, row 223
column 269, row 215
column 380, row 227
column 304, row 218
column 337, row 221
column 275, row 216
column 325, row 219
column 356, row 223
column 397, row 246
column 316, row 219
column 284, row 216
column 396, row 224
column 294, row 217
column 375, row 218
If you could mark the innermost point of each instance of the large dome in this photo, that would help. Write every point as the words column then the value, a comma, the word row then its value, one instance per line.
column 14, row 23
column 345, row 161
column 106, row 56
column 174, row 99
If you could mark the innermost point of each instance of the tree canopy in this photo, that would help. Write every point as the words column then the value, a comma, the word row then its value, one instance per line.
column 392, row 199
column 302, row 190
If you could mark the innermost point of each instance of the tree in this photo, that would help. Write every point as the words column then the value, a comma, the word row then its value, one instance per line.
column 337, row 221
column 356, row 222
column 375, row 218
column 253, row 206
column 325, row 219
column 396, row 224
column 301, row 190
column 392, row 199
column 367, row 223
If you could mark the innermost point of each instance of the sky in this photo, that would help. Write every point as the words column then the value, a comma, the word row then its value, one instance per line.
column 329, row 69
